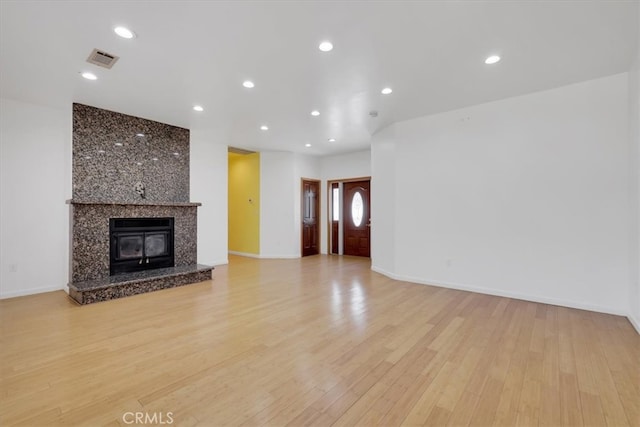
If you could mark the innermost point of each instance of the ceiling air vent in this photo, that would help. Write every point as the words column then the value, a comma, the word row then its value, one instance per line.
column 102, row 58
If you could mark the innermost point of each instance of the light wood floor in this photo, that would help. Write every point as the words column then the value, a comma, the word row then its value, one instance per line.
column 321, row 340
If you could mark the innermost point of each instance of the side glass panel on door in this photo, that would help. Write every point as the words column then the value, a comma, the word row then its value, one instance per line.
column 357, row 218
column 335, row 217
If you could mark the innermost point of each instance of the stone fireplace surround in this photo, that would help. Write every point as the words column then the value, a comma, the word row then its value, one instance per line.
column 109, row 159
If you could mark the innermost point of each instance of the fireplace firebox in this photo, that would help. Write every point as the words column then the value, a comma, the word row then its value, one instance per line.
column 138, row 244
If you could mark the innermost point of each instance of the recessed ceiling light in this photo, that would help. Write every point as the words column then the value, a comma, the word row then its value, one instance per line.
column 139, row 163
column 325, row 46
column 248, row 84
column 307, row 145
column 155, row 159
column 315, row 113
column 101, row 151
column 87, row 157
column 264, row 127
column 118, row 144
column 176, row 154
column 386, row 91
column 123, row 32
column 332, row 140
column 140, row 135
column 89, row 76
column 492, row 59
column 198, row 108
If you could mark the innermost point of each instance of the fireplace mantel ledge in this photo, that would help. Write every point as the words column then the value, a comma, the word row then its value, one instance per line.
column 138, row 203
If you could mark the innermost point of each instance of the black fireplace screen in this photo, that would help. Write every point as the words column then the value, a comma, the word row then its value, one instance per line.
column 140, row 244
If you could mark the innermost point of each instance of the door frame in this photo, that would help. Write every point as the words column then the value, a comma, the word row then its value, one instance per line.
column 318, row 207
column 330, row 207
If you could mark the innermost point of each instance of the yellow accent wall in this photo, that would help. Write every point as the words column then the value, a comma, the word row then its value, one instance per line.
column 244, row 203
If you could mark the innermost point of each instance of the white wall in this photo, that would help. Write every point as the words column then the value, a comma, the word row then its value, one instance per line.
column 280, row 216
column 634, row 189
column 346, row 166
column 208, row 185
column 338, row 167
column 35, row 182
column 525, row 197
column 277, row 216
column 383, row 201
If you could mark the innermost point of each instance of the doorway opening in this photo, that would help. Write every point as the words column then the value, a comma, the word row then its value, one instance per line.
column 243, row 202
column 349, row 217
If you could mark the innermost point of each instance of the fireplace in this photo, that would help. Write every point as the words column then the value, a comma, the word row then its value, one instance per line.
column 138, row 244
column 124, row 244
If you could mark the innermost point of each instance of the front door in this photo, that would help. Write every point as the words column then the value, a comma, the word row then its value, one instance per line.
column 357, row 218
column 310, row 211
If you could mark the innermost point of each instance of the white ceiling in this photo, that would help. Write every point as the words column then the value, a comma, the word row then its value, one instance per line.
column 196, row 52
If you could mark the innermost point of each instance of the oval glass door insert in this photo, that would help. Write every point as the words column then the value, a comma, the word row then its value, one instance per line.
column 357, row 209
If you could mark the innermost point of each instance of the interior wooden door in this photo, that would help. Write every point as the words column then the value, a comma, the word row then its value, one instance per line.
column 357, row 218
column 310, row 217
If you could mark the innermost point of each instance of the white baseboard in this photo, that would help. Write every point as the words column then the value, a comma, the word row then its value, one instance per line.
column 635, row 322
column 245, row 254
column 264, row 256
column 279, row 256
column 506, row 294
column 25, row 292
column 384, row 272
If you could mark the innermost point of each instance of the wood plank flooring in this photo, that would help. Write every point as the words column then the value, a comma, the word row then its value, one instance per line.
column 314, row 341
